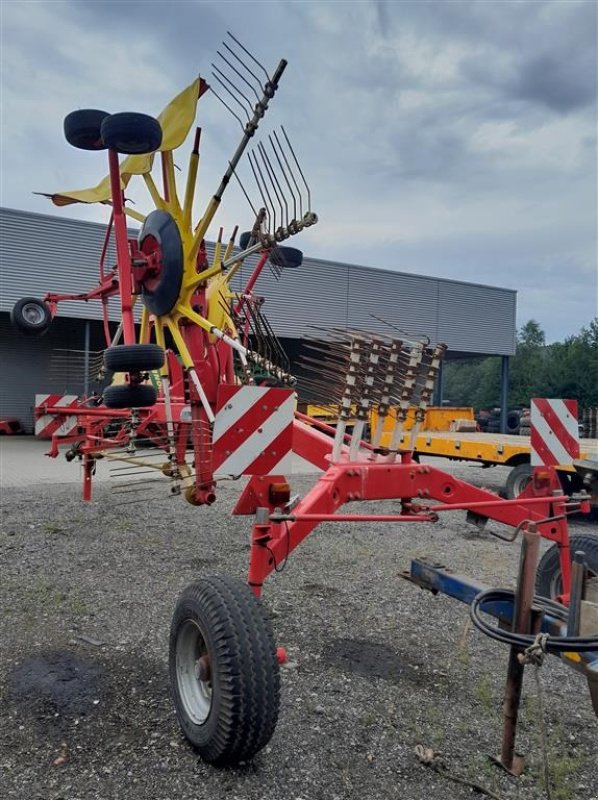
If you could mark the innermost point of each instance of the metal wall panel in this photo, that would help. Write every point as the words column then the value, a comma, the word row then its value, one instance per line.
column 29, row 365
column 41, row 253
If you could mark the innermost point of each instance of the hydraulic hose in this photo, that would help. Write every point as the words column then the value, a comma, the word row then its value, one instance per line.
column 554, row 644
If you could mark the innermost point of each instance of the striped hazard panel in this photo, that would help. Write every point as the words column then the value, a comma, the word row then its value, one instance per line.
column 55, row 423
column 253, row 430
column 554, row 432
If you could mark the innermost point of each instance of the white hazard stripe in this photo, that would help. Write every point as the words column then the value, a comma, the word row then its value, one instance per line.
column 544, row 436
column 259, row 441
column 236, row 407
column 566, row 418
column 46, row 424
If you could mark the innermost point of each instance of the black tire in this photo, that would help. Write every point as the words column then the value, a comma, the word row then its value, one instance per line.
column 125, row 395
column 244, row 239
column 159, row 233
column 513, row 422
column 548, row 577
column 133, row 357
column 493, row 426
column 83, row 129
column 31, row 316
column 517, row 480
column 286, row 257
column 232, row 713
column 131, row 134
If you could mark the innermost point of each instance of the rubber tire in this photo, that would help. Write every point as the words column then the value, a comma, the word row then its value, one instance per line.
column 286, row 257
column 25, row 326
column 124, row 395
column 513, row 422
column 131, row 133
column 245, row 672
column 134, row 357
column 548, row 576
column 517, row 480
column 161, row 226
column 244, row 239
column 83, row 129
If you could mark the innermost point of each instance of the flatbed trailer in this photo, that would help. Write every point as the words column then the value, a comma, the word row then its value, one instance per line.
column 490, row 449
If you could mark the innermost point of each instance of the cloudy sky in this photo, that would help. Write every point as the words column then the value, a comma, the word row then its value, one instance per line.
column 455, row 139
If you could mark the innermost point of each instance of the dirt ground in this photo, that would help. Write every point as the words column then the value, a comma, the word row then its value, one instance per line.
column 376, row 665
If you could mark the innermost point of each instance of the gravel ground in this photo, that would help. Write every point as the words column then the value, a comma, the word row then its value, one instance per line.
column 376, row 665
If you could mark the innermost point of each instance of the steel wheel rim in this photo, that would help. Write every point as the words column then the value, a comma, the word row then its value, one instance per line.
column 33, row 313
column 195, row 694
column 520, row 485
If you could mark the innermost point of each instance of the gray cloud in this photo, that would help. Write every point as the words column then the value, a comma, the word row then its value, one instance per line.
column 455, row 139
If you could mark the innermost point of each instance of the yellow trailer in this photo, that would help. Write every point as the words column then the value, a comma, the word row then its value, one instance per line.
column 489, row 449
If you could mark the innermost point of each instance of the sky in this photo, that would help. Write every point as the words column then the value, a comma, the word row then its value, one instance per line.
column 452, row 139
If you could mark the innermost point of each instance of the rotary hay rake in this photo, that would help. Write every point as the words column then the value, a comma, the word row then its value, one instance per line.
column 203, row 380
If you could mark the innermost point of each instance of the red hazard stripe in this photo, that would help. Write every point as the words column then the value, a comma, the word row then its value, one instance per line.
column 248, row 423
column 53, row 426
column 553, row 421
column 276, row 451
column 538, row 444
column 50, row 400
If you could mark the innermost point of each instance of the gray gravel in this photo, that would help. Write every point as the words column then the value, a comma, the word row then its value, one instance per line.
column 376, row 665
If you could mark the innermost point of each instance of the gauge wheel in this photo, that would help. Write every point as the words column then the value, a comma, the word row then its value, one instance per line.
column 549, row 582
column 134, row 357
column 126, row 395
column 83, row 129
column 224, row 674
column 131, row 133
column 160, row 238
column 31, row 316
column 286, row 257
column 517, row 480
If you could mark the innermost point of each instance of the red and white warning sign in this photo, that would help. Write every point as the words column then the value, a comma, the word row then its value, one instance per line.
column 253, row 430
column 554, row 432
column 52, row 423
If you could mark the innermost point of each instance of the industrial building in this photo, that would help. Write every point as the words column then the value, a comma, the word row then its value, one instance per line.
column 42, row 253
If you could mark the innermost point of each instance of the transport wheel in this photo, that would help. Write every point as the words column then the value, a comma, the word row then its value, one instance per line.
column 224, row 673
column 133, row 357
column 83, row 129
column 160, row 240
column 31, row 316
column 548, row 577
column 517, row 480
column 286, row 257
column 131, row 134
column 124, row 395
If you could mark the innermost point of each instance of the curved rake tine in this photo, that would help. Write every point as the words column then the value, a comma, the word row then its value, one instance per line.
column 284, row 214
column 234, row 86
column 226, row 105
column 265, row 185
column 251, row 56
column 285, row 177
column 259, row 186
column 284, row 172
column 226, row 89
column 236, row 71
column 298, row 167
column 243, row 188
column 269, row 172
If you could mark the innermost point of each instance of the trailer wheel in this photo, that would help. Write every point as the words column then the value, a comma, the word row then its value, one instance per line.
column 31, row 316
column 286, row 257
column 83, row 129
column 131, row 133
column 133, row 357
column 224, row 673
column 518, row 479
column 548, row 577
column 125, row 395
column 160, row 238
